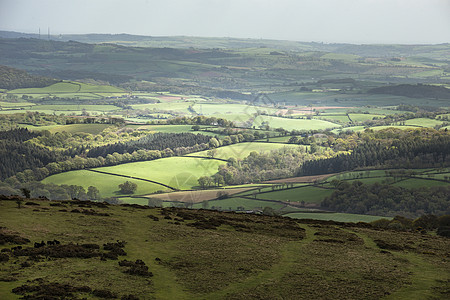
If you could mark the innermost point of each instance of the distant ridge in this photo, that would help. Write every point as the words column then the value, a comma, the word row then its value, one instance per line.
column 124, row 39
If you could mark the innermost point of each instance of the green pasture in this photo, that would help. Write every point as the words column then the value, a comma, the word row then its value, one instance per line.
column 77, row 107
column 364, row 117
column 395, row 126
column 351, row 128
column 357, row 174
column 75, row 128
column 7, row 105
column 60, row 87
column 180, row 107
column 338, row 217
column 167, row 128
column 341, row 56
column 108, row 185
column 308, row 194
column 335, row 118
column 413, row 183
column 238, row 118
column 235, row 203
column 423, row 122
column 291, row 124
column 177, row 172
column 40, row 128
column 230, row 108
column 242, row 150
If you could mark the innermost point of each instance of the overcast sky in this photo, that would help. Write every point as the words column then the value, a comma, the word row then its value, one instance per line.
column 329, row 21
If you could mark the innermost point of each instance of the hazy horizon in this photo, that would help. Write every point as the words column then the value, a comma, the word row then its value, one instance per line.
column 328, row 21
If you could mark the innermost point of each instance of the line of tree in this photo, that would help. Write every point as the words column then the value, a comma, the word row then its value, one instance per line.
column 157, row 141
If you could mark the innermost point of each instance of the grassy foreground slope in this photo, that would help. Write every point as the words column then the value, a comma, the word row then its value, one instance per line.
column 211, row 255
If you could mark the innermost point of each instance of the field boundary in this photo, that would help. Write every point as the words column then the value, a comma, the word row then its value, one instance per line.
column 132, row 177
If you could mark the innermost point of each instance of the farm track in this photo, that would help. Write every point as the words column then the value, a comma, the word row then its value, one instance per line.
column 289, row 257
column 132, row 177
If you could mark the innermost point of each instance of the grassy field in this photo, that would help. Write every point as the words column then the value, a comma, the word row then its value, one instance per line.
column 417, row 183
column 291, row 124
column 236, row 203
column 177, row 172
column 71, row 128
column 108, row 185
column 68, row 87
column 423, row 122
column 309, row 194
column 364, row 117
column 245, row 256
column 230, row 108
column 167, row 128
column 242, row 150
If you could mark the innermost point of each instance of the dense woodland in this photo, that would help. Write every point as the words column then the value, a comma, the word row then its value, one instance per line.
column 388, row 200
column 11, row 78
column 391, row 148
column 413, row 91
column 16, row 156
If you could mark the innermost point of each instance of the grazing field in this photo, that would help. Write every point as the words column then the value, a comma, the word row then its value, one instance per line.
column 418, row 183
column 198, row 196
column 395, row 126
column 242, row 150
column 308, row 194
column 71, row 128
column 181, row 107
column 108, row 185
column 230, row 108
column 69, row 87
column 364, row 117
column 338, row 217
column 423, row 122
column 76, row 107
column 167, row 128
column 240, row 204
column 334, row 118
column 177, row 172
column 291, row 124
